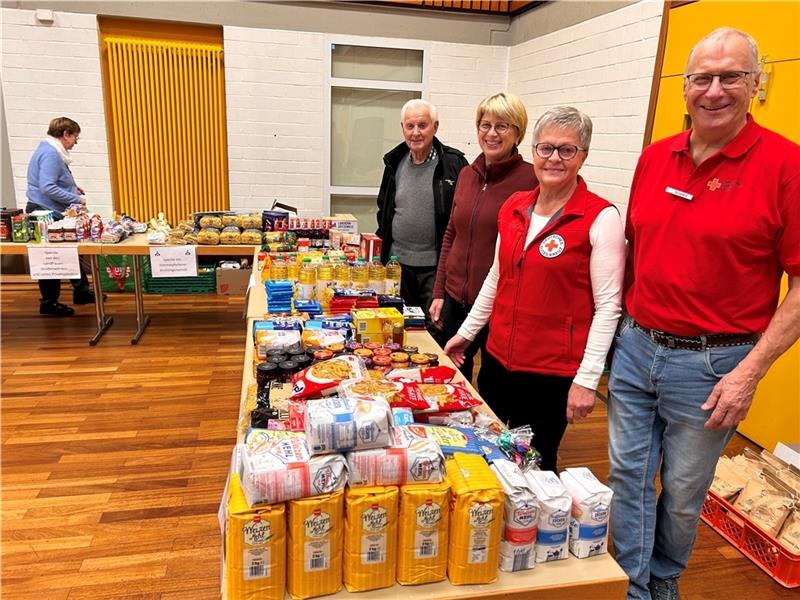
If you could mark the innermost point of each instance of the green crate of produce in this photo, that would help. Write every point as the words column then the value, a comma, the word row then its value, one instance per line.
column 204, row 283
column 116, row 272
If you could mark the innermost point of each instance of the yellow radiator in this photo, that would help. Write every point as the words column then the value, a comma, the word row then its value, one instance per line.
column 167, row 127
column 423, row 533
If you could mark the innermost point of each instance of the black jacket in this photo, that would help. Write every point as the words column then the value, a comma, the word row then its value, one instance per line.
column 451, row 161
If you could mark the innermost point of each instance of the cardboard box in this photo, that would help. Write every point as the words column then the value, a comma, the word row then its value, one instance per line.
column 345, row 222
column 233, row 282
column 339, row 239
column 370, row 246
column 376, row 320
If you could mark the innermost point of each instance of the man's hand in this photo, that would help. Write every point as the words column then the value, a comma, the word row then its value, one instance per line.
column 455, row 348
column 730, row 399
column 435, row 311
column 580, row 402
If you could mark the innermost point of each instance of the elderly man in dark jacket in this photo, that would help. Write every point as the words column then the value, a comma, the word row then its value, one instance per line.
column 415, row 199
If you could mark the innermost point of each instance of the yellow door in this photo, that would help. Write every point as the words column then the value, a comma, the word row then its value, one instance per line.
column 775, row 414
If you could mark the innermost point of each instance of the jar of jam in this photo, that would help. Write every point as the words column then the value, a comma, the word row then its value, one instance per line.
column 433, row 359
column 265, row 373
column 363, row 353
column 336, row 348
column 420, row 360
column 393, row 347
column 352, row 346
column 410, row 349
column 372, row 345
column 381, row 363
column 55, row 232
column 382, row 351
column 399, row 357
column 287, row 368
column 323, row 354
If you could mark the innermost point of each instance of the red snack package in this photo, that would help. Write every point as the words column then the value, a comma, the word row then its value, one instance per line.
column 439, row 374
column 438, row 397
column 323, row 378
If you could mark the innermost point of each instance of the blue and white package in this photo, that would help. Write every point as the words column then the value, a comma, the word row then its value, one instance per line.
column 591, row 501
column 555, row 502
column 344, row 424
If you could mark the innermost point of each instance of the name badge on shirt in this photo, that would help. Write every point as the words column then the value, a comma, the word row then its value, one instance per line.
column 679, row 193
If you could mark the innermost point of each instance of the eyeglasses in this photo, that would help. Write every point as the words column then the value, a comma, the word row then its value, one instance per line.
column 500, row 128
column 728, row 80
column 565, row 151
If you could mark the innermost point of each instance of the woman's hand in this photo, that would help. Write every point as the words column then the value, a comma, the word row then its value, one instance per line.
column 83, row 200
column 435, row 311
column 580, row 402
column 80, row 191
column 455, row 348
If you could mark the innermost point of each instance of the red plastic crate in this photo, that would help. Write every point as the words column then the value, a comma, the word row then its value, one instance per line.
column 781, row 564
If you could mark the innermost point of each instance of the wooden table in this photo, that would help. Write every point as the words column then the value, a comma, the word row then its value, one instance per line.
column 595, row 578
column 134, row 245
column 92, row 251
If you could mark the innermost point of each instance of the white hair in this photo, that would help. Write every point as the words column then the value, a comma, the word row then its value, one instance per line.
column 419, row 103
column 720, row 35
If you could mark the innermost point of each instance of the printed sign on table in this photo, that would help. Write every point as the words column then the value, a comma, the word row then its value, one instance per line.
column 54, row 262
column 173, row 261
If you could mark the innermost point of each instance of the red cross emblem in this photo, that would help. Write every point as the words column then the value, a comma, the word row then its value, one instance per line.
column 551, row 245
column 714, row 184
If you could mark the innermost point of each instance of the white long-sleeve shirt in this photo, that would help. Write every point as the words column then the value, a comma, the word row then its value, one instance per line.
column 606, row 271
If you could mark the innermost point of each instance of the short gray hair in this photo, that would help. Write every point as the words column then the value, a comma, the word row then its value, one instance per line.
column 722, row 33
column 419, row 103
column 565, row 117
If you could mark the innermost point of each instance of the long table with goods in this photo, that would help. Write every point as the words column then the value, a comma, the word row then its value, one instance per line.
column 134, row 245
column 590, row 578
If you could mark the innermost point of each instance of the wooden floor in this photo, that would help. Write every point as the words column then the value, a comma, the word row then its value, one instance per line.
column 114, row 456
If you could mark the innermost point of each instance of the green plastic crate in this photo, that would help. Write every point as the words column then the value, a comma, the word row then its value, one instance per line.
column 204, row 283
column 116, row 272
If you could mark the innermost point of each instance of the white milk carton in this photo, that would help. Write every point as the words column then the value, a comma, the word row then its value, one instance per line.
column 521, row 511
column 552, row 537
column 591, row 500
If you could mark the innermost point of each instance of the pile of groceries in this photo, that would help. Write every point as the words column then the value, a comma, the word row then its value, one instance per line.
column 364, row 464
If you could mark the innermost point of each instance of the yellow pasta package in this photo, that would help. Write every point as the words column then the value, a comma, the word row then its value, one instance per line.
column 255, row 548
column 423, row 533
column 476, row 520
column 370, row 537
column 316, row 530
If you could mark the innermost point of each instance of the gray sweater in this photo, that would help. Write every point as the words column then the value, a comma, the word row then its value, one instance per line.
column 413, row 226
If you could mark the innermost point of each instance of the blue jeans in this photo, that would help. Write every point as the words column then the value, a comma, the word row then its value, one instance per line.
column 655, row 421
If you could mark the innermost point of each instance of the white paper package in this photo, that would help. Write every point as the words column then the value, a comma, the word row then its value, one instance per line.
column 276, row 470
column 552, row 536
column 344, row 424
column 591, row 503
column 410, row 459
column 521, row 511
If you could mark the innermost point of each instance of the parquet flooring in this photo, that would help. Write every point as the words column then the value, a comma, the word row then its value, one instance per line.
column 114, row 457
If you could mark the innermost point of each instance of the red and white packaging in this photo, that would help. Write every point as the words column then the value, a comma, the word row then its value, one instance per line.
column 438, row 374
column 370, row 246
column 323, row 378
column 521, row 510
column 437, row 397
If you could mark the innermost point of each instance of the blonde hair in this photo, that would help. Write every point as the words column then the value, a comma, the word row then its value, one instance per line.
column 505, row 106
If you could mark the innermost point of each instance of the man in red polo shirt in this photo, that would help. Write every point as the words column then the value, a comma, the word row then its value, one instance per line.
column 713, row 223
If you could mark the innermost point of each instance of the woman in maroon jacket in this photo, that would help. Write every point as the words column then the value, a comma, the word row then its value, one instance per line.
column 482, row 188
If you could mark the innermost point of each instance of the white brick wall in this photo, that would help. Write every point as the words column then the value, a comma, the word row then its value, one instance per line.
column 274, row 86
column 50, row 70
column 603, row 67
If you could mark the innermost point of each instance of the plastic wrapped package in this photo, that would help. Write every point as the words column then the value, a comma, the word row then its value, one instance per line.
column 316, row 535
column 423, row 533
column 341, row 424
column 410, row 459
column 210, row 221
column 251, row 236
column 230, row 220
column 370, row 538
column 230, row 235
column 370, row 388
column 521, row 512
column 438, row 374
column 324, row 377
column 591, row 505
column 555, row 502
column 438, row 397
column 255, row 548
column 208, row 236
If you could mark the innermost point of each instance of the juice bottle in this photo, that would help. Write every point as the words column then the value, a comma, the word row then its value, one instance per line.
column 307, row 281
column 377, row 275
column 278, row 269
column 393, row 274
column 359, row 274
column 293, row 267
column 325, row 283
column 342, row 273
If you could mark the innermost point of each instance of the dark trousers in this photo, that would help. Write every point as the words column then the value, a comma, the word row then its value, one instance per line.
column 453, row 315
column 50, row 289
column 519, row 398
column 416, row 288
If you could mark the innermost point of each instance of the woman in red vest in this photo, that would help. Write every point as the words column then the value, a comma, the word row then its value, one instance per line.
column 552, row 297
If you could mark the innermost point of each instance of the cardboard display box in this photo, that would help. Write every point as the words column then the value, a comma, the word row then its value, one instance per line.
column 233, row 282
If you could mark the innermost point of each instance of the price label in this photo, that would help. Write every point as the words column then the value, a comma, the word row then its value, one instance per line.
column 54, row 262
column 173, row 261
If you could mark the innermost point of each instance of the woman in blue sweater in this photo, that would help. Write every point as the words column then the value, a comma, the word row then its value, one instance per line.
column 52, row 187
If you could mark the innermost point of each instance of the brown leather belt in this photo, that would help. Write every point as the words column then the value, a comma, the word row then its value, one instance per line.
column 700, row 342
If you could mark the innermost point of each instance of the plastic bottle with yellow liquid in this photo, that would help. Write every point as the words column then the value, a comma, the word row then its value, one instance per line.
column 341, row 273
column 325, row 282
column 307, row 282
column 278, row 269
column 377, row 275
column 293, row 267
column 359, row 274
column 393, row 275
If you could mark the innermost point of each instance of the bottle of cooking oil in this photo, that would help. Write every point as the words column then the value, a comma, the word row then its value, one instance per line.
column 377, row 275
column 325, row 283
column 293, row 267
column 278, row 270
column 359, row 274
column 307, row 283
column 341, row 273
column 393, row 274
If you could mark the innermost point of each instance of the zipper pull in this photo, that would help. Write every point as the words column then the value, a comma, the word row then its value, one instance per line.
column 522, row 257
column 483, row 189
